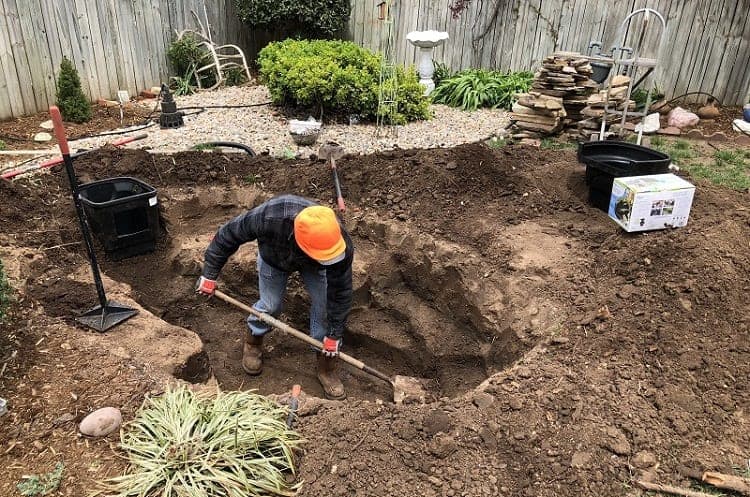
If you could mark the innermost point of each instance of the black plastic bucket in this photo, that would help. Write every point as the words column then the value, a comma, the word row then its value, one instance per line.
column 610, row 159
column 123, row 214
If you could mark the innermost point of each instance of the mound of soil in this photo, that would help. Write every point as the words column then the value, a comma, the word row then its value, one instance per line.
column 600, row 357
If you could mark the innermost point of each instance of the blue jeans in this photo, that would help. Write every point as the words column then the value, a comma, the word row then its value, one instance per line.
column 272, row 286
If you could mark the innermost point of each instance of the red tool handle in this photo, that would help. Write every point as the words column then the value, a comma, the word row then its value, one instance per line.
column 116, row 143
column 57, row 122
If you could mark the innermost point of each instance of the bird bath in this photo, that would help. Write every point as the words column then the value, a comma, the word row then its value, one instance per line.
column 426, row 41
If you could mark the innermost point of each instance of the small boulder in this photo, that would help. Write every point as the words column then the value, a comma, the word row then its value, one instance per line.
column 483, row 400
column 644, row 460
column 101, row 422
column 42, row 137
column 681, row 118
column 443, row 446
column 709, row 111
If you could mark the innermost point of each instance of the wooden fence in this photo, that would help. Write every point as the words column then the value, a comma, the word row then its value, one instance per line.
column 115, row 44
column 122, row 44
column 707, row 42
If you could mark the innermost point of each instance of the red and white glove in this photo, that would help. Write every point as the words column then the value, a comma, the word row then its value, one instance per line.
column 331, row 347
column 205, row 286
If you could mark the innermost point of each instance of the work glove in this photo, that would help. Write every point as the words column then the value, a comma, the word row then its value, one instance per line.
column 205, row 286
column 331, row 347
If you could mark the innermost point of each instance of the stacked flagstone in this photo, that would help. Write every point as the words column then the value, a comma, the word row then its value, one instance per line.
column 558, row 94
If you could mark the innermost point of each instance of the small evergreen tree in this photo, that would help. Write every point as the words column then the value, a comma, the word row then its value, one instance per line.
column 73, row 104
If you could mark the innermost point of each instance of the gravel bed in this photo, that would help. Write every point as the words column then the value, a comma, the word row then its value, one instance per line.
column 266, row 130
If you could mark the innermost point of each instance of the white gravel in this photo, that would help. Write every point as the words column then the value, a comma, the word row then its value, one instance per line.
column 265, row 129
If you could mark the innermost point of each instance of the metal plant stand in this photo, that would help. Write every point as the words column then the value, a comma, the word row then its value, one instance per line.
column 630, row 61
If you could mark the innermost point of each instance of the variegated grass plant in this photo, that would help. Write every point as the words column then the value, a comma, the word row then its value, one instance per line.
column 183, row 444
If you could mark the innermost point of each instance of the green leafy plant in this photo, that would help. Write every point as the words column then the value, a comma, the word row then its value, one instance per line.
column 42, row 484
column 442, row 72
column 184, row 444
column 336, row 77
column 73, row 104
column 639, row 96
column 3, row 145
column 471, row 89
column 235, row 76
column 296, row 18
column 187, row 55
column 6, row 294
column 252, row 179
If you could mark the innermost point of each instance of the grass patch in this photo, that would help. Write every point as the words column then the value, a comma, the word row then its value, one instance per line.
column 204, row 146
column 730, row 168
column 680, row 151
column 183, row 444
column 496, row 142
column 3, row 145
column 553, row 144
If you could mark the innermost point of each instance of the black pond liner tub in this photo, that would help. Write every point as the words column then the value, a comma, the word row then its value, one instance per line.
column 610, row 159
column 123, row 214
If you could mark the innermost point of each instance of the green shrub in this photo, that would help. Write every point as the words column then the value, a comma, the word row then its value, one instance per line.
column 186, row 55
column 471, row 89
column 3, row 145
column 73, row 104
column 6, row 294
column 296, row 18
column 336, row 77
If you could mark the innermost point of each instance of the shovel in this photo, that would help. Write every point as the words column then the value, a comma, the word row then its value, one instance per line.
column 330, row 152
column 107, row 314
column 405, row 388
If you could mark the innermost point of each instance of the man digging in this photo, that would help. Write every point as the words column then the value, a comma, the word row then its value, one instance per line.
column 294, row 234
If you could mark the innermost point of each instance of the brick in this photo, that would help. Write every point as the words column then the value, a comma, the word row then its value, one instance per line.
column 671, row 131
column 719, row 136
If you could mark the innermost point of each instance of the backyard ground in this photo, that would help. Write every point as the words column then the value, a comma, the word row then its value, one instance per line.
column 569, row 358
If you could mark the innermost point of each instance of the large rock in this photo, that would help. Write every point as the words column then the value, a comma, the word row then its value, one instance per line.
column 101, row 422
column 681, row 118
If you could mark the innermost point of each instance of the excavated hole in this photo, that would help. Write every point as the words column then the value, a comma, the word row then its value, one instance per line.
column 414, row 314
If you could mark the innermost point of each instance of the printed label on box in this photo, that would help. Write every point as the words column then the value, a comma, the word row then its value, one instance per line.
column 641, row 203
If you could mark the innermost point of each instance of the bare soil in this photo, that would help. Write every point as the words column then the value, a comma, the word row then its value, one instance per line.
column 568, row 357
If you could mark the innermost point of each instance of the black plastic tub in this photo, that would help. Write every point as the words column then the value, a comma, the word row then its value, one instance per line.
column 607, row 160
column 123, row 214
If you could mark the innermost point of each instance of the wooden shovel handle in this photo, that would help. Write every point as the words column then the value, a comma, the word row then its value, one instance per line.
column 299, row 335
column 57, row 123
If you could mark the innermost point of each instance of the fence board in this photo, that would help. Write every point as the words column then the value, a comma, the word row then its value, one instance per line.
column 119, row 44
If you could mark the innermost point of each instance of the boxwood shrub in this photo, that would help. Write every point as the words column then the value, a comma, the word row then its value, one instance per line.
column 335, row 77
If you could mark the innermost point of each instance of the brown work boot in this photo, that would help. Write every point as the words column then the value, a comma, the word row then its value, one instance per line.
column 252, row 354
column 329, row 377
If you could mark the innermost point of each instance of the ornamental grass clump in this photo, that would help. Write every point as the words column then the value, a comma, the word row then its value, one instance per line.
column 183, row 444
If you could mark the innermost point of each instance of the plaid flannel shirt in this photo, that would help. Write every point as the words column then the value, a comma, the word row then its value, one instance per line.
column 272, row 224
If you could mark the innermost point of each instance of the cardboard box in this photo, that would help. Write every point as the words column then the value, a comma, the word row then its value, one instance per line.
column 641, row 203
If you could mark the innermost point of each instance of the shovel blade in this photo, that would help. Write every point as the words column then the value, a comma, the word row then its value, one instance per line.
column 410, row 390
column 103, row 318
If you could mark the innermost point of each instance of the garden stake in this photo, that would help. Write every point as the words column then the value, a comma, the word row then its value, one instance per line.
column 106, row 314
